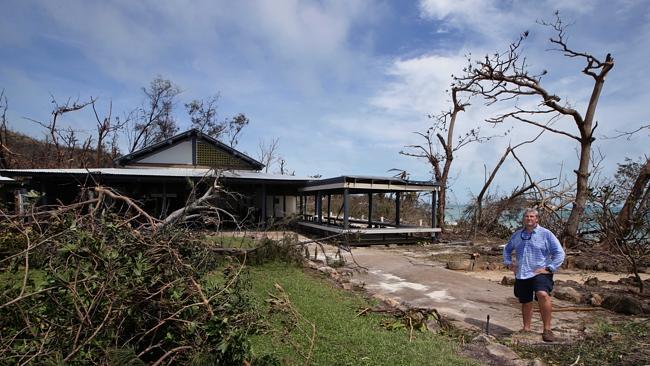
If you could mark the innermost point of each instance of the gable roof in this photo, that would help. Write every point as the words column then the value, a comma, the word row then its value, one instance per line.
column 184, row 136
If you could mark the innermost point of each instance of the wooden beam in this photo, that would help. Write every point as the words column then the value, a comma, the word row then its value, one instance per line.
column 397, row 208
column 346, row 209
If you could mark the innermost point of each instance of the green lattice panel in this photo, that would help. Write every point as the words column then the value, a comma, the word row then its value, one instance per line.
column 208, row 155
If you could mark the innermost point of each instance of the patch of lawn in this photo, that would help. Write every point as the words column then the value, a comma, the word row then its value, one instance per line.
column 228, row 241
column 342, row 338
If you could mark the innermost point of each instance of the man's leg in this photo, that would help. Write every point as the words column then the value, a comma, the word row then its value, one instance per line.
column 527, row 314
column 545, row 308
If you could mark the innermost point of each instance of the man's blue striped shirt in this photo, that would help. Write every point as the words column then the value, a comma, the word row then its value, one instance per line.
column 535, row 250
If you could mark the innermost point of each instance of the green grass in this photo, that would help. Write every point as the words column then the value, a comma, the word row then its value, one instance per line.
column 224, row 241
column 342, row 338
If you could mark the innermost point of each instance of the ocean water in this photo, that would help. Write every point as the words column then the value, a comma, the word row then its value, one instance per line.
column 453, row 213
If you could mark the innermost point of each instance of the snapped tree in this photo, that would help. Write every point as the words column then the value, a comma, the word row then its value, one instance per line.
column 505, row 77
column 440, row 162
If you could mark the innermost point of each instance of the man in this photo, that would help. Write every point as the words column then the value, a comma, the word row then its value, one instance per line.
column 538, row 255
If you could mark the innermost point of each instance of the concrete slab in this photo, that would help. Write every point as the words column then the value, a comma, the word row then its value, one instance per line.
column 466, row 300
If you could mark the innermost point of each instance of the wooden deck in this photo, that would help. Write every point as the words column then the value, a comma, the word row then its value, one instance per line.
column 372, row 230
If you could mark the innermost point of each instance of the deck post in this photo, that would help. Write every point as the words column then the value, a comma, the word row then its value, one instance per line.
column 273, row 206
column 163, row 209
column 263, row 213
column 319, row 206
column 397, row 207
column 329, row 211
column 434, row 219
column 346, row 208
column 302, row 216
column 370, row 209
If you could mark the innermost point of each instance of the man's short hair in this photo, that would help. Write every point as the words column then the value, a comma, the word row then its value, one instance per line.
column 531, row 210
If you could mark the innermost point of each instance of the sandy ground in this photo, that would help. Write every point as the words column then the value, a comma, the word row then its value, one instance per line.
column 564, row 275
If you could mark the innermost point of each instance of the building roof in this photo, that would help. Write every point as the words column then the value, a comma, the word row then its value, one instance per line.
column 355, row 183
column 154, row 172
column 5, row 179
column 151, row 149
column 360, row 184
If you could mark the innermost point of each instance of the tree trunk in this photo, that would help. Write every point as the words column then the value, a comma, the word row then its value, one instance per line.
column 638, row 191
column 570, row 235
column 441, row 205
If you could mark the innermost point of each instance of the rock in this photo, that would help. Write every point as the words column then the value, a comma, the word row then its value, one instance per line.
column 569, row 262
column 568, row 294
column 313, row 265
column 579, row 263
column 494, row 266
column 538, row 362
column 591, row 281
column 572, row 283
column 646, row 308
column 387, row 300
column 460, row 265
column 508, row 281
column 484, row 339
column 595, row 299
column 600, row 267
column 330, row 271
column 347, row 286
column 609, row 267
column 502, row 352
column 433, row 326
column 623, row 304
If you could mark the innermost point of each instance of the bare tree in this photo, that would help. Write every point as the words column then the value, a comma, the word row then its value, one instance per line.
column 108, row 128
column 441, row 162
column 268, row 153
column 203, row 115
column 505, row 77
column 528, row 184
column 284, row 170
column 154, row 120
column 4, row 149
column 626, row 231
column 235, row 126
column 62, row 144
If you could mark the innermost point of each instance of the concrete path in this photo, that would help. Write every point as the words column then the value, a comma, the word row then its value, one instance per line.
column 406, row 276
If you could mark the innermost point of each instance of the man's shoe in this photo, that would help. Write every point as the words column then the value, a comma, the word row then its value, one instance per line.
column 548, row 336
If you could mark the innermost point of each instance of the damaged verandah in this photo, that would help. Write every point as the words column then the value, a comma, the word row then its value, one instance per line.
column 364, row 231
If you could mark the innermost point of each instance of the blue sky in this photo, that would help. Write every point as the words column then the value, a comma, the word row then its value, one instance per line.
column 342, row 84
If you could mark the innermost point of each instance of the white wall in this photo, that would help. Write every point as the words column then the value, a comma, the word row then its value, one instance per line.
column 176, row 154
column 291, row 206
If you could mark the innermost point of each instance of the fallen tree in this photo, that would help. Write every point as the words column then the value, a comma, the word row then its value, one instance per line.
column 102, row 282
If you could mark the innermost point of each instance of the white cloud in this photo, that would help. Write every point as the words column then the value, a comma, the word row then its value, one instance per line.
column 419, row 84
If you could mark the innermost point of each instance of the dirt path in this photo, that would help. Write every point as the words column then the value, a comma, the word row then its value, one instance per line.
column 467, row 300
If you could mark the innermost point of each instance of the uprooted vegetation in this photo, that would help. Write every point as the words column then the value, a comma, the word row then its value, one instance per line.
column 84, row 288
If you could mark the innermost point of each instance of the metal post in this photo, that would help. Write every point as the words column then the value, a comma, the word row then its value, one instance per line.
column 273, row 206
column 263, row 213
column 163, row 210
column 319, row 206
column 397, row 206
column 370, row 209
column 434, row 199
column 346, row 208
column 329, row 210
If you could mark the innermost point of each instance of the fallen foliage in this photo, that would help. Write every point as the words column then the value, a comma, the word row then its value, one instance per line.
column 81, row 285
